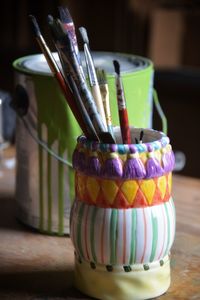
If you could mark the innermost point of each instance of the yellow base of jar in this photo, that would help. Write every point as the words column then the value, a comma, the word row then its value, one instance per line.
column 142, row 282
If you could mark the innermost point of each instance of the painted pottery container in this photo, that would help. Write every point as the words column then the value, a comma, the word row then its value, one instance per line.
column 44, row 185
column 123, row 217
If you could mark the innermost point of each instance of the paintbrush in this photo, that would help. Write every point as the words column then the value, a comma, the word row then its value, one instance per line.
column 43, row 46
column 59, row 77
column 88, row 126
column 121, row 101
column 141, row 136
column 67, row 68
column 68, row 25
column 92, row 74
column 103, row 85
column 66, row 49
column 140, row 139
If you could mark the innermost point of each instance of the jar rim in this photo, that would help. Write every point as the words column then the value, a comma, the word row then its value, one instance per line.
column 153, row 140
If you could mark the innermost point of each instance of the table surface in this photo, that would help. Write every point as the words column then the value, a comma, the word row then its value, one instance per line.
column 37, row 266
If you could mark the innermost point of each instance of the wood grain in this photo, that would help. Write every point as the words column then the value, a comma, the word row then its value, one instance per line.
column 36, row 266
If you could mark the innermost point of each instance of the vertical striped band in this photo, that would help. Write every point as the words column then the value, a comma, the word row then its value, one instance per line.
column 123, row 236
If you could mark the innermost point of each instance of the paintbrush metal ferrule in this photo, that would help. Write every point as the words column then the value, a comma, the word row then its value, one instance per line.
column 105, row 98
column 90, row 67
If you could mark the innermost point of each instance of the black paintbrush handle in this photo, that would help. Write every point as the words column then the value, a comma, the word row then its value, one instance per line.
column 84, row 90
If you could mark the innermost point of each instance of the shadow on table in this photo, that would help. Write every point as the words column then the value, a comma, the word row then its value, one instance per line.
column 8, row 219
column 7, row 214
column 39, row 285
column 33, row 285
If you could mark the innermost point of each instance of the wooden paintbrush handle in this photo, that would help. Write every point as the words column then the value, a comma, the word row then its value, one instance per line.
column 98, row 100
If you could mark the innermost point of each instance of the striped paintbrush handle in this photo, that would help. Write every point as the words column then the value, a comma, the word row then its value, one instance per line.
column 123, row 113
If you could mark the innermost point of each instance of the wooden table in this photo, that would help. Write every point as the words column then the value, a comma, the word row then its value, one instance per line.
column 36, row 266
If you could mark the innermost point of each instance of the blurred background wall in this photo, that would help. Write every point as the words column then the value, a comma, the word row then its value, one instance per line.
column 166, row 31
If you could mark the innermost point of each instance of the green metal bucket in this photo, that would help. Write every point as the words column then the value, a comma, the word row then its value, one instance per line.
column 52, row 189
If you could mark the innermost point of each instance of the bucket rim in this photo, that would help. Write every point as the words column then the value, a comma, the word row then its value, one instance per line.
column 18, row 64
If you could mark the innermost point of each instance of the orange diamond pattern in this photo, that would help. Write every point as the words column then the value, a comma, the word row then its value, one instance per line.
column 129, row 188
column 93, row 188
column 170, row 182
column 122, row 193
column 109, row 189
column 148, row 187
column 161, row 183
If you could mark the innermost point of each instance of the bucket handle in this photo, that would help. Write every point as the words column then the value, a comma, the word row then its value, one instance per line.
column 44, row 145
column 20, row 104
column 160, row 111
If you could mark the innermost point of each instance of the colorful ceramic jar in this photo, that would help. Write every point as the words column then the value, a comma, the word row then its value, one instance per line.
column 123, row 217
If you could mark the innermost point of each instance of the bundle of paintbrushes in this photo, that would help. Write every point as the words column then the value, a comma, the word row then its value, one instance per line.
column 89, row 104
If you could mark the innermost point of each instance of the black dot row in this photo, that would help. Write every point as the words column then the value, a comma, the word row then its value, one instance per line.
column 127, row 268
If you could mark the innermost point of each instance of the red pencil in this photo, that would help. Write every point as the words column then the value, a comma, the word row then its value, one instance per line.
column 121, row 101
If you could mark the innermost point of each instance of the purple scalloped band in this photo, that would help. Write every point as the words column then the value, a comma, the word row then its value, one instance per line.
column 114, row 168
column 126, row 161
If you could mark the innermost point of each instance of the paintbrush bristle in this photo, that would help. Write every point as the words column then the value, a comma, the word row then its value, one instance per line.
column 57, row 29
column 116, row 66
column 60, row 35
column 65, row 16
column 35, row 26
column 83, row 33
column 141, row 135
column 50, row 19
column 101, row 75
column 104, row 78
column 52, row 24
